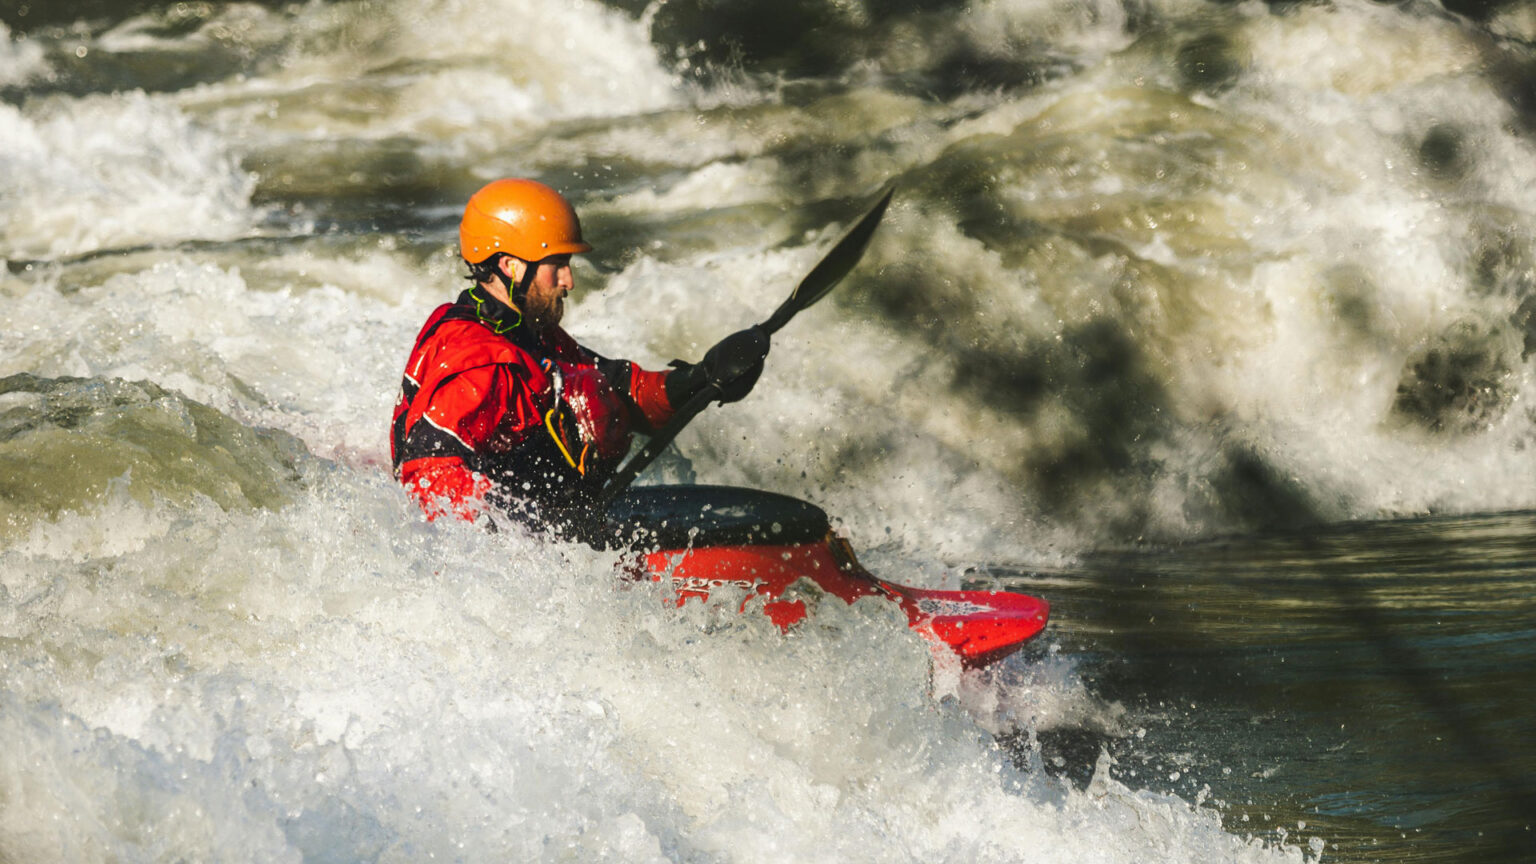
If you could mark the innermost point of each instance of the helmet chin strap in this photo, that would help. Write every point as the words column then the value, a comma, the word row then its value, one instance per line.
column 519, row 293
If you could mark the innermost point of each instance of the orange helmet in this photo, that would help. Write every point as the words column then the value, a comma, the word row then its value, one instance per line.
column 523, row 218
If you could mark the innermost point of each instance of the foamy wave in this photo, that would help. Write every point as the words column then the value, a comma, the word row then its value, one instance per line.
column 339, row 679
column 266, row 339
column 461, row 77
column 107, row 171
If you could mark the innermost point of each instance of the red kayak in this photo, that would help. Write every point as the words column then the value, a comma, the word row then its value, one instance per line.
column 708, row 537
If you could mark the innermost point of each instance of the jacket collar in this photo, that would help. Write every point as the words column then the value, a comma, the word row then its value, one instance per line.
column 505, row 321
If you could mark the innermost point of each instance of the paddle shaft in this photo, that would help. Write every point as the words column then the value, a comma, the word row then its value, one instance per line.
column 653, row 447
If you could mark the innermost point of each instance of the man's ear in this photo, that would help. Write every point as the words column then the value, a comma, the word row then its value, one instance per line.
column 512, row 268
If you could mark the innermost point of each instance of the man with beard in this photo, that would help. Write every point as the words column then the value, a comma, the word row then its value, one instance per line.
column 499, row 407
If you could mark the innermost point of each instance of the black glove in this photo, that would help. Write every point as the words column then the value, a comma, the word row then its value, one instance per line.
column 733, row 366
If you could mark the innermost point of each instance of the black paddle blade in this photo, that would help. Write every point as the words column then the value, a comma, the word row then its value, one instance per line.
column 833, row 267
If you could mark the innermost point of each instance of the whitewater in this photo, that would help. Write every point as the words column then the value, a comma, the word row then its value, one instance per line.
column 1156, row 272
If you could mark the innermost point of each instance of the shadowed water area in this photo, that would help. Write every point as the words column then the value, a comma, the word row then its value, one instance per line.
column 1360, row 683
column 1213, row 323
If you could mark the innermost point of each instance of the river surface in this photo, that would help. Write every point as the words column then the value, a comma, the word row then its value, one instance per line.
column 1363, row 683
column 1214, row 323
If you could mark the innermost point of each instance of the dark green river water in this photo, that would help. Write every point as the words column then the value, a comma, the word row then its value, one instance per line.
column 1370, row 684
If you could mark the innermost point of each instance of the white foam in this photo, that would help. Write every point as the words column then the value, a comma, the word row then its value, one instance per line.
column 319, row 359
column 102, row 171
column 21, row 59
column 1004, row 28
column 464, row 78
column 342, row 680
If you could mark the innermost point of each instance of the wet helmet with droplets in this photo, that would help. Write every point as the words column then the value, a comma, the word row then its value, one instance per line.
column 522, row 218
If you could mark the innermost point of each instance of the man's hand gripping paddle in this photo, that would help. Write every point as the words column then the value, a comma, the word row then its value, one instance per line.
column 822, row 279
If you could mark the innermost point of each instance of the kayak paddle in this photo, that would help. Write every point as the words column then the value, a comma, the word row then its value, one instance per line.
column 836, row 264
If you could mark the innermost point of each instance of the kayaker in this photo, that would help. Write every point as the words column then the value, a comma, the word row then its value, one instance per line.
column 500, row 408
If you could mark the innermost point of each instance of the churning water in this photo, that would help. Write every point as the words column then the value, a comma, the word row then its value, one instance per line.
column 1158, row 272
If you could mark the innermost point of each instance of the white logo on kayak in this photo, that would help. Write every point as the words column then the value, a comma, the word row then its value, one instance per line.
column 930, row 606
column 700, row 583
